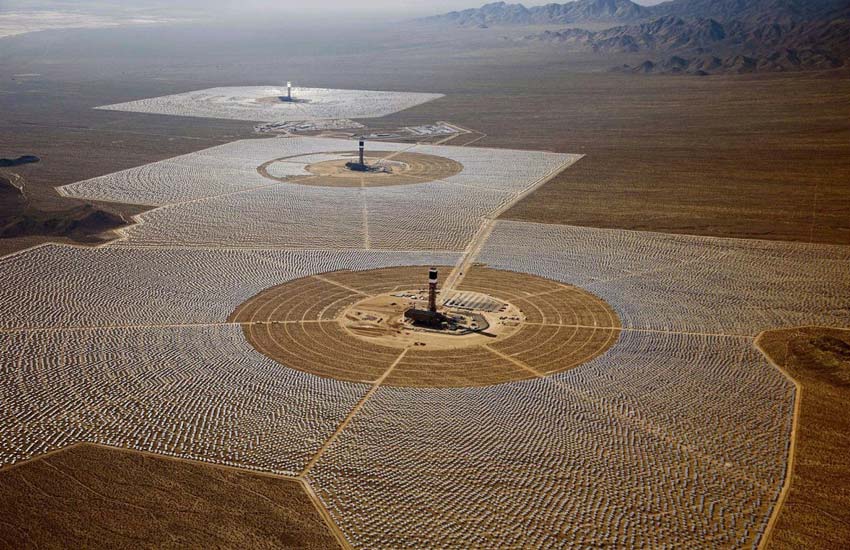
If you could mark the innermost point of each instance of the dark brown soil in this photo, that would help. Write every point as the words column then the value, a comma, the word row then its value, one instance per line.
column 748, row 157
column 89, row 496
column 816, row 513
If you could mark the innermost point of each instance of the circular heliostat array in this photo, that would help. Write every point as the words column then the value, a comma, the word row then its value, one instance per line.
column 350, row 325
column 391, row 168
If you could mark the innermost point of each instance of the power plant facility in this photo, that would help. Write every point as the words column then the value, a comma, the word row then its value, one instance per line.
column 362, row 166
column 430, row 317
column 641, row 336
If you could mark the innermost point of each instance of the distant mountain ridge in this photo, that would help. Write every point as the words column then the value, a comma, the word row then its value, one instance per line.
column 753, row 11
column 689, row 36
column 659, row 34
column 502, row 13
column 626, row 11
column 704, row 45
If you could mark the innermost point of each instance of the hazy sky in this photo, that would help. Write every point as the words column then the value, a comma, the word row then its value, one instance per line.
column 413, row 7
column 449, row 5
column 438, row 6
column 430, row 6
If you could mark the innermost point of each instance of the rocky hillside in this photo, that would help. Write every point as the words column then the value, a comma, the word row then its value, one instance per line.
column 751, row 11
column 704, row 45
column 660, row 34
column 18, row 218
column 23, row 159
column 626, row 11
column 690, row 36
column 580, row 11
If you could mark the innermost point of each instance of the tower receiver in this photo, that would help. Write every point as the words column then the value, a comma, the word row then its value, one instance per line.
column 430, row 317
column 360, row 165
column 432, row 290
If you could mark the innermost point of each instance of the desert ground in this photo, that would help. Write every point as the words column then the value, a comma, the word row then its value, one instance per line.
column 643, row 240
column 89, row 493
column 814, row 508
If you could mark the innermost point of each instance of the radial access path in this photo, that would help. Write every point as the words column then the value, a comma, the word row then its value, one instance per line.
column 317, row 325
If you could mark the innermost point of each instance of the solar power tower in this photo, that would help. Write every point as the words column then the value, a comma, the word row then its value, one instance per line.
column 432, row 290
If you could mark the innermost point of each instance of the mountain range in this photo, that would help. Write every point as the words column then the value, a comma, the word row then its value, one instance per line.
column 752, row 11
column 688, row 36
column 502, row 13
column 626, row 11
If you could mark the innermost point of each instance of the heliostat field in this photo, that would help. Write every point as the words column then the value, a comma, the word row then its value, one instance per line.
column 274, row 104
column 617, row 401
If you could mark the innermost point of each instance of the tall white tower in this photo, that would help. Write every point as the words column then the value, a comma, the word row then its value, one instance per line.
column 289, row 91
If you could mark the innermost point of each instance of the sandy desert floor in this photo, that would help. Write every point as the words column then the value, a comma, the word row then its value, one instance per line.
column 90, row 494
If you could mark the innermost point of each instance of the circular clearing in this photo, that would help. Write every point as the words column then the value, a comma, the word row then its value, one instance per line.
column 476, row 319
column 396, row 168
column 349, row 325
column 280, row 99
